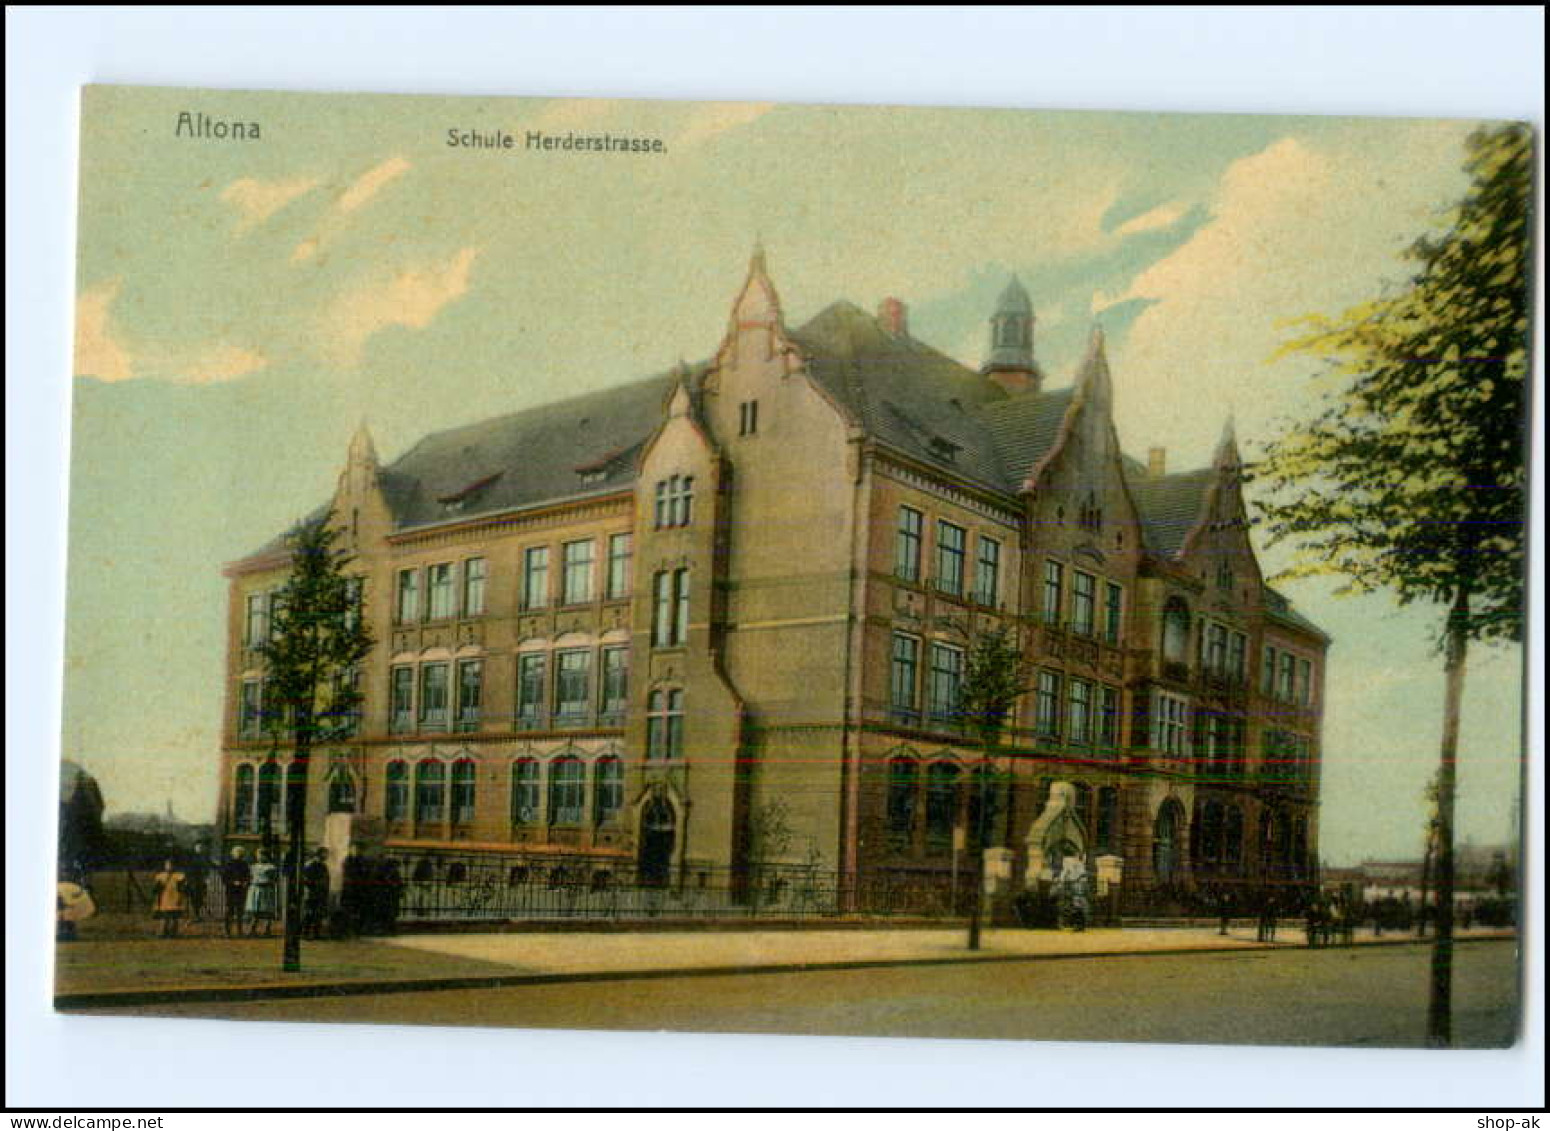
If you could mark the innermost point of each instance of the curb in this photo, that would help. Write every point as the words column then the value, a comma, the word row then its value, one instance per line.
column 281, row 991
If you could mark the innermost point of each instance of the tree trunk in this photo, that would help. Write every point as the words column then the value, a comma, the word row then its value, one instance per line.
column 296, row 809
column 1426, row 872
column 1439, row 1015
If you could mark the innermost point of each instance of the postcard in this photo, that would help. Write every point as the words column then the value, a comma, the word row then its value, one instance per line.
column 840, row 570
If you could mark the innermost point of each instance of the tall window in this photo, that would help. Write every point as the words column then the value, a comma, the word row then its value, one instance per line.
column 530, row 690
column 1171, row 715
column 433, row 697
column 1166, row 834
column 1079, row 712
column 1113, row 609
column 904, row 676
column 941, row 804
column 987, row 573
column 1284, row 684
column 578, row 572
column 572, row 686
column 567, row 792
column 257, row 631
column 670, row 608
column 438, row 585
column 607, row 790
column 906, row 556
column 1304, row 682
column 355, row 597
column 396, row 795
column 664, row 725
column 618, row 565
column 903, row 780
column 242, row 797
column 616, row 683
column 949, row 557
column 401, row 700
column 1084, row 599
column 470, row 693
column 268, row 795
column 946, row 680
column 1216, row 648
column 407, row 611
column 525, row 795
column 1046, row 705
column 430, row 791
column 535, row 577
column 1175, row 633
column 1267, row 671
column 1237, row 656
column 250, row 715
column 1054, row 583
column 465, row 777
column 1108, row 717
column 1106, row 832
column 675, row 501
column 473, row 587
column 748, row 418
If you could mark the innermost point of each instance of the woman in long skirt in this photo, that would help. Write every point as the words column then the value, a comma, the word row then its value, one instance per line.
column 263, row 895
column 171, row 899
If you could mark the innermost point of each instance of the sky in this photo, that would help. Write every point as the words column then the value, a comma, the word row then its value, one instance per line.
column 242, row 305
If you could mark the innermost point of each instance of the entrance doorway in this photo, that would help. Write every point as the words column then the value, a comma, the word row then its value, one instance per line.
column 658, row 830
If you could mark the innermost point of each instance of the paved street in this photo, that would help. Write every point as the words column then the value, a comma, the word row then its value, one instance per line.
column 1373, row 996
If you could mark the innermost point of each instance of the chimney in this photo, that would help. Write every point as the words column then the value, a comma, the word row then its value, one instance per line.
column 894, row 316
column 1156, row 463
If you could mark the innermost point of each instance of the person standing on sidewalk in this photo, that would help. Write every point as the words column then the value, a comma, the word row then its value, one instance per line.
column 264, row 895
column 170, row 901
column 236, row 875
column 197, row 881
column 314, row 879
column 354, row 892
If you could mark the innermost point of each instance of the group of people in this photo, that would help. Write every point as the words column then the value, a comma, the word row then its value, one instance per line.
column 369, row 897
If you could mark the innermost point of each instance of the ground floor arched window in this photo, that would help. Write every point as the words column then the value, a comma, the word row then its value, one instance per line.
column 242, row 799
column 1167, row 843
column 341, row 792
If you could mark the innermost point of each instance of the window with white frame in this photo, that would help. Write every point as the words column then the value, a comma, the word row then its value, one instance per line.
column 401, row 700
column 430, row 791
column 1171, row 715
column 433, row 697
column 1046, row 705
column 531, row 671
column 1084, row 600
column 946, row 682
column 572, row 686
column 250, row 713
column 396, row 794
column 1079, row 705
column 470, row 693
column 257, row 621
column 473, row 587
column 407, row 609
column 949, row 557
column 526, row 795
column 438, row 588
column 906, row 556
column 577, row 582
column 1054, row 585
column 987, row 572
column 675, row 501
column 535, row 577
column 664, row 725
column 607, row 790
column 616, row 683
column 567, row 790
column 618, row 566
column 904, row 675
column 465, row 779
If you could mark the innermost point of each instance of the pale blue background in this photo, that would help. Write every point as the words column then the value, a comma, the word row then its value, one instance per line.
column 1479, row 63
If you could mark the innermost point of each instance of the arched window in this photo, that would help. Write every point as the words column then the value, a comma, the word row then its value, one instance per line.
column 525, row 793
column 1166, row 842
column 1175, row 633
column 268, row 795
column 1232, row 837
column 1208, row 833
column 903, row 782
column 566, row 791
column 607, row 790
column 341, row 791
column 295, row 779
column 465, row 774
column 242, row 798
column 430, row 791
column 396, row 794
column 941, row 804
column 1106, row 837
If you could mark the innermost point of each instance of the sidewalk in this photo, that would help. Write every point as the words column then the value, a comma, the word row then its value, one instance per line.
column 124, row 973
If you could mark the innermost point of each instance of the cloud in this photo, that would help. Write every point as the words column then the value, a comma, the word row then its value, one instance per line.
column 1295, row 228
column 715, row 118
column 368, row 184
column 257, row 200
column 97, row 353
column 1163, row 216
column 218, row 363
column 411, row 298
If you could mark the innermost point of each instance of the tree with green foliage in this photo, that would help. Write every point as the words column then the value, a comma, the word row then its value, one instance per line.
column 1411, row 477
column 318, row 639
column 996, row 673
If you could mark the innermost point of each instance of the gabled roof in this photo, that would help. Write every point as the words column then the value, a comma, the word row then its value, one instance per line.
column 1169, row 506
column 1024, row 429
column 1280, row 608
column 903, row 392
